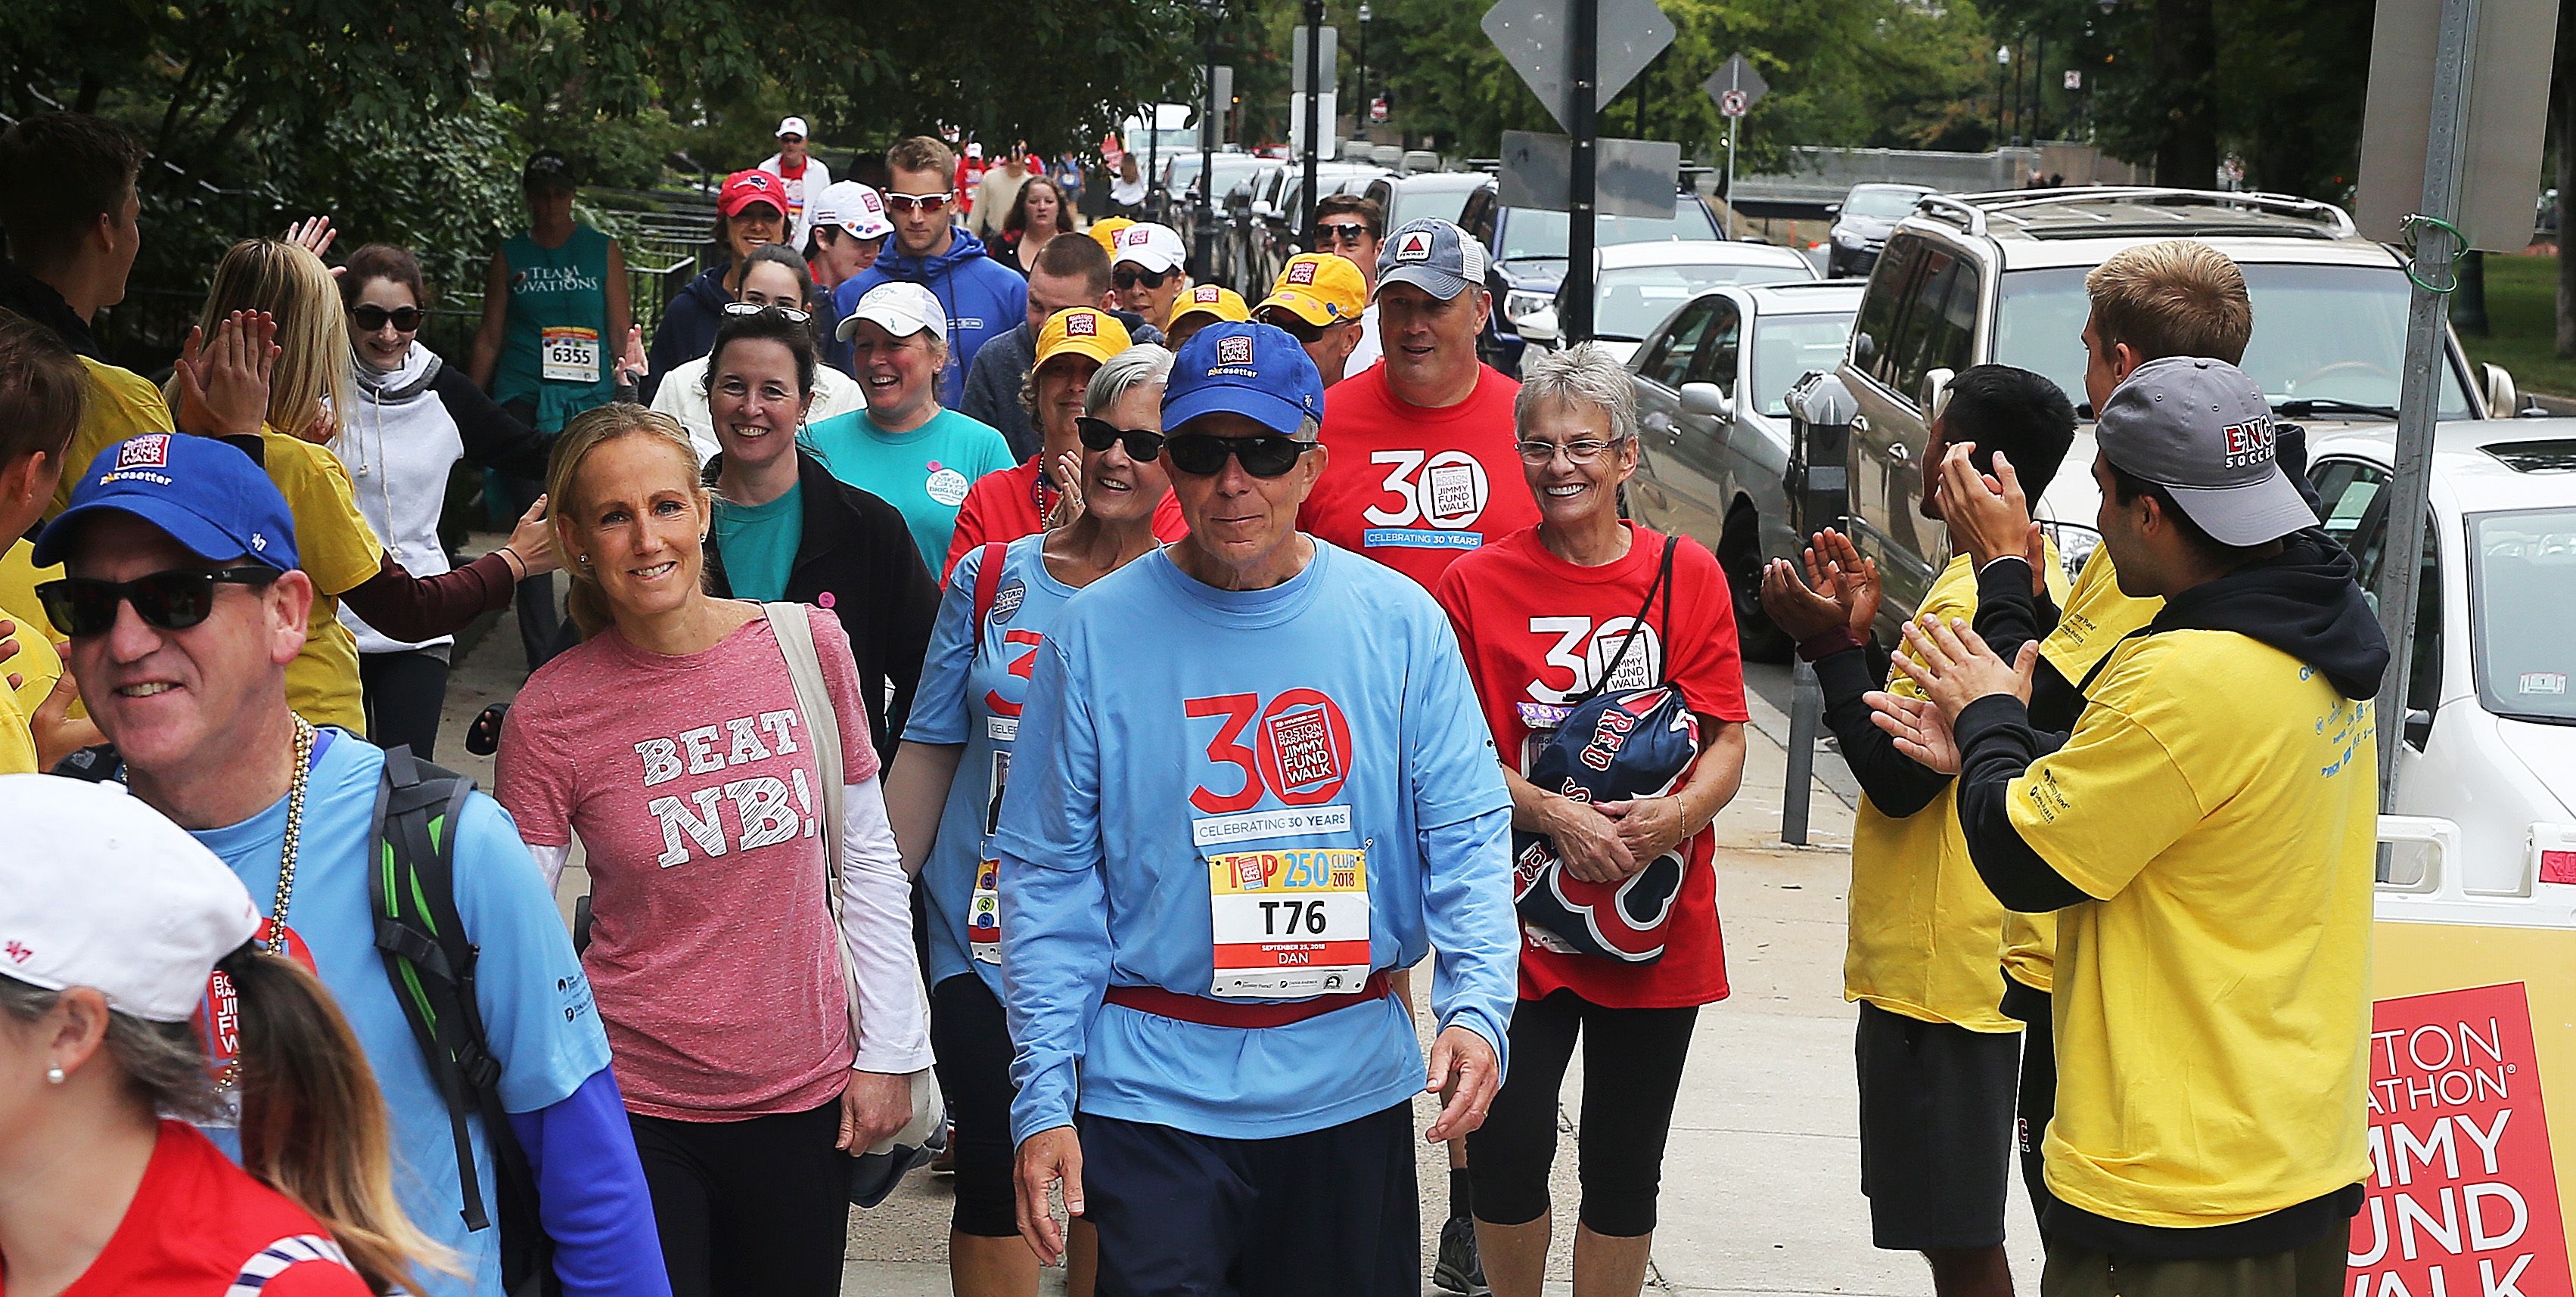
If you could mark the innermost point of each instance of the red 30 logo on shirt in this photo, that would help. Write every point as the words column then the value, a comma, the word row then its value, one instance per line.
column 1583, row 651
column 1301, row 754
column 1447, row 490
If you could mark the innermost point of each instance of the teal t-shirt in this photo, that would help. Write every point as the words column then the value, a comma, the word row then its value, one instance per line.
column 758, row 542
column 923, row 473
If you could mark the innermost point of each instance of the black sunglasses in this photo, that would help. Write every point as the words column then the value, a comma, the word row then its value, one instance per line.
column 789, row 313
column 371, row 318
column 1202, row 454
column 1288, row 322
column 173, row 600
column 1098, row 434
column 1342, row 232
column 1130, row 276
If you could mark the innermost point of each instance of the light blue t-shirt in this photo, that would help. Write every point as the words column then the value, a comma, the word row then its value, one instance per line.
column 975, row 698
column 1176, row 733
column 536, row 1004
column 758, row 543
column 923, row 473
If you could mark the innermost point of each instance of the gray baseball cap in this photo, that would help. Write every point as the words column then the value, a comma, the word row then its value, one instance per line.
column 1433, row 255
column 2201, row 429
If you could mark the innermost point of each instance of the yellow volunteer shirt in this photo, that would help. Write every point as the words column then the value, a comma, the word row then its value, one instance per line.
column 17, row 744
column 118, row 404
column 1924, row 929
column 2092, row 618
column 2213, row 1011
column 340, row 552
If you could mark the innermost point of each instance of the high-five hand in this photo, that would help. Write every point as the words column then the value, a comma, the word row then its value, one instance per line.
column 1954, row 667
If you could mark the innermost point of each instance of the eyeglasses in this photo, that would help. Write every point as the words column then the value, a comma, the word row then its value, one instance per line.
column 1130, row 276
column 1097, row 434
column 1582, row 451
column 173, row 600
column 918, row 202
column 1289, row 323
column 371, row 318
column 1202, row 454
column 787, row 313
column 1350, row 232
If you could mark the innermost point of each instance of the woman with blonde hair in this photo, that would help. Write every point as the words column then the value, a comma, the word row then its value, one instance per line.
column 121, row 926
column 752, row 949
column 272, row 308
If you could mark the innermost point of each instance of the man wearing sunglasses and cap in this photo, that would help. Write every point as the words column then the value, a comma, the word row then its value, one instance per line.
column 1318, row 301
column 1254, row 784
column 184, row 603
column 2206, row 837
column 802, row 175
column 981, row 297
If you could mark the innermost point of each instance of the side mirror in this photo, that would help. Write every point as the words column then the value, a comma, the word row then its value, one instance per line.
column 1538, row 326
column 2504, row 400
column 1707, row 399
column 2419, row 722
column 1936, row 392
column 1833, row 209
column 1263, row 209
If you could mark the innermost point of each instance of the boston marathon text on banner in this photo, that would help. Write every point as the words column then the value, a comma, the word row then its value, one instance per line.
column 2462, row 1198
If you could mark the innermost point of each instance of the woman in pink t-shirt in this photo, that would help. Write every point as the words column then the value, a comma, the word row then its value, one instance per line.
column 671, row 743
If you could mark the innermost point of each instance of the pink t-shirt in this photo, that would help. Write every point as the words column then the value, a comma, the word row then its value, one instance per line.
column 693, row 787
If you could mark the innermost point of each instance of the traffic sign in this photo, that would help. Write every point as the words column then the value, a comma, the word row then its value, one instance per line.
column 1377, row 109
column 1737, row 86
column 1533, row 36
column 1631, row 177
column 1330, row 69
column 2074, row 79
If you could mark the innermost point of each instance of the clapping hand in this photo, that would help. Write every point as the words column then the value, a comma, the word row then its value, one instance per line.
column 1067, row 472
column 1953, row 666
column 1841, row 590
column 1919, row 729
column 315, row 235
column 1990, row 513
column 223, row 385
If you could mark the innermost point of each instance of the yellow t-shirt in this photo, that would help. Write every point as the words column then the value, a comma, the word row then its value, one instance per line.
column 17, row 743
column 119, row 404
column 340, row 552
column 2092, row 617
column 2213, row 1011
column 1924, row 929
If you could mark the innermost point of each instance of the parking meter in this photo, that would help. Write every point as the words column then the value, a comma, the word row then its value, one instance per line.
column 1821, row 411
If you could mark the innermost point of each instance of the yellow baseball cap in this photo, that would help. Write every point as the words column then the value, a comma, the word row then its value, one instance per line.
column 1214, row 301
column 1081, row 331
column 1105, row 232
column 1321, row 288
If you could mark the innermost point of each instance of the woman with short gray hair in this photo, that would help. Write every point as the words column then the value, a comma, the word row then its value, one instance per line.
column 1003, row 597
column 1548, row 617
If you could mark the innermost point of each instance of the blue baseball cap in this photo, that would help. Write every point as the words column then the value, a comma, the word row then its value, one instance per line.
column 1433, row 255
column 1255, row 370
column 204, row 494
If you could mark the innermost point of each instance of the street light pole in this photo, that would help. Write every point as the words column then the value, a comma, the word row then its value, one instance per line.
column 1203, row 244
column 1361, row 116
column 1314, row 107
column 1584, row 88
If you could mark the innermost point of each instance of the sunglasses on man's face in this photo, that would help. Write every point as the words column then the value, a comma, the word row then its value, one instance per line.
column 173, row 600
column 1099, row 434
column 405, row 319
column 1202, row 454
column 1350, row 232
column 1288, row 322
column 1129, row 276
column 916, row 202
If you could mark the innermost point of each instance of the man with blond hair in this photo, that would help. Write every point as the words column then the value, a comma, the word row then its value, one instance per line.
column 981, row 296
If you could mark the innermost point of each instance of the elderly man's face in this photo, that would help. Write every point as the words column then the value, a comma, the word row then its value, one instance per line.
column 174, row 699
column 1237, row 520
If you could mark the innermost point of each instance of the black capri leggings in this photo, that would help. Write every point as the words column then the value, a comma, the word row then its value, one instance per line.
column 405, row 692
column 1632, row 1064
column 752, row 1208
column 971, row 1041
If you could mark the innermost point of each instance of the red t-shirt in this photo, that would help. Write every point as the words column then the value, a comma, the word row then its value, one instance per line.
column 1414, row 487
column 1537, row 630
column 1009, row 503
column 200, row 1226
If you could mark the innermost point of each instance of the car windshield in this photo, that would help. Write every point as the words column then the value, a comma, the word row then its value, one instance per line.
column 1634, row 301
column 1231, row 170
column 1785, row 347
column 2321, row 333
column 1532, row 232
column 1885, row 204
column 2524, row 611
column 1412, row 203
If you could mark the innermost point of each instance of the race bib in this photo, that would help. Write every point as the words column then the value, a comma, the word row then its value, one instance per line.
column 570, row 354
column 984, row 913
column 1290, row 922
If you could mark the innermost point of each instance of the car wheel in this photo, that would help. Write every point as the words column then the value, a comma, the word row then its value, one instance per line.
column 1739, row 555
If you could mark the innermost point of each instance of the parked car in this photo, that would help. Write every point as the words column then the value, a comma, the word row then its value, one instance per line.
column 1862, row 222
column 1431, row 193
column 2000, row 277
column 1281, row 218
column 1637, row 286
column 1711, row 465
column 1528, row 247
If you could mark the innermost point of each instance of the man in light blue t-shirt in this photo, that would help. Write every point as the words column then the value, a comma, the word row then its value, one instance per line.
column 1253, row 783
column 184, row 604
column 902, row 447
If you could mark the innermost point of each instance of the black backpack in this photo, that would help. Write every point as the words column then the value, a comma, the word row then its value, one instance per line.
column 430, row 960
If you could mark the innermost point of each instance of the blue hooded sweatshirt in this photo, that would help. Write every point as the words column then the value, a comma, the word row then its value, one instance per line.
column 984, row 298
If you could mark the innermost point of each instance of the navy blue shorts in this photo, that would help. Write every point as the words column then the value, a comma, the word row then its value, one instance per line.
column 1187, row 1215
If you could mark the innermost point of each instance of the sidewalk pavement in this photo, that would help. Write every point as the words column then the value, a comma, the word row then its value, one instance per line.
column 1761, row 1189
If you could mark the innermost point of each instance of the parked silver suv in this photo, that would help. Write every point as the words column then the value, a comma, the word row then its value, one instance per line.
column 1978, row 278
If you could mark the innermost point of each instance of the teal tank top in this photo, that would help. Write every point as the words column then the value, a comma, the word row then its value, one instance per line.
column 555, row 348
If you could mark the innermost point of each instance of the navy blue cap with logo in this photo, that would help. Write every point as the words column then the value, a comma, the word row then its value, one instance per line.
column 201, row 492
column 1255, row 370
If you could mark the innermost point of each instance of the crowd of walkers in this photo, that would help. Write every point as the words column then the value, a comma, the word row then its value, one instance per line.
column 1328, row 662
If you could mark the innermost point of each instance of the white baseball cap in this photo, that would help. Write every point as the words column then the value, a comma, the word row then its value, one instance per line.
column 1155, row 247
column 98, row 890
column 974, row 150
column 854, row 207
column 900, row 308
column 792, row 126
